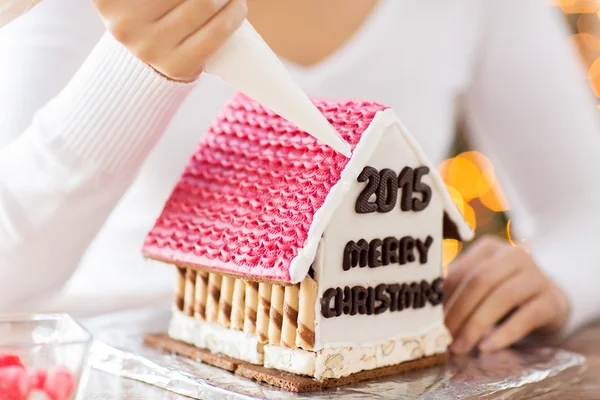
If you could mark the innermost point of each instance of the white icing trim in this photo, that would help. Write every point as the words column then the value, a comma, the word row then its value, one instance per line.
column 362, row 153
column 464, row 229
column 216, row 338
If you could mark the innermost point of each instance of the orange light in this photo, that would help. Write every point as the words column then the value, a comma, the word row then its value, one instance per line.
column 470, row 216
column 463, row 175
column 479, row 159
column 443, row 169
column 577, row 6
column 456, row 198
column 494, row 197
column 594, row 76
column 520, row 243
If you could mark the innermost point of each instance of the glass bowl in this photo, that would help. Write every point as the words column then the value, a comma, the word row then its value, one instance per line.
column 42, row 356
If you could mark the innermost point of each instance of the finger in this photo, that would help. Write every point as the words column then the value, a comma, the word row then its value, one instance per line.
column 515, row 291
column 142, row 9
column 480, row 281
column 188, row 17
column 537, row 312
column 194, row 50
column 481, row 250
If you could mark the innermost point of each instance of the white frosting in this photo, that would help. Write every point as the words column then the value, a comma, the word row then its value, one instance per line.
column 336, row 363
column 406, row 150
column 216, row 338
column 391, row 151
column 296, row 361
column 247, row 63
column 323, row 364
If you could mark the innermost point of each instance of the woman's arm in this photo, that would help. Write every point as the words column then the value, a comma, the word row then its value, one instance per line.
column 39, row 53
column 532, row 113
column 61, row 178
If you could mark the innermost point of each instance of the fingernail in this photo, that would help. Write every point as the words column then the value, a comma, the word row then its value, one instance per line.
column 459, row 347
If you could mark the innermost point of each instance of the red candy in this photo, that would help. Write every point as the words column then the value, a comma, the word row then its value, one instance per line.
column 59, row 384
column 9, row 360
column 14, row 383
column 38, row 379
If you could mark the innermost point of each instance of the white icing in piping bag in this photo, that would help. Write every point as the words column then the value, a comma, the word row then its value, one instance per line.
column 247, row 63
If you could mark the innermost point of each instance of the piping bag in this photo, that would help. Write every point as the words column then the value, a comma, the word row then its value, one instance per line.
column 248, row 64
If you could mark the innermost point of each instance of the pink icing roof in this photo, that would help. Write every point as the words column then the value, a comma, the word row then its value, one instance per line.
column 247, row 198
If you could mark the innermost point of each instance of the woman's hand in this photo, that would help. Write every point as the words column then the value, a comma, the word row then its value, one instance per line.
column 496, row 295
column 173, row 36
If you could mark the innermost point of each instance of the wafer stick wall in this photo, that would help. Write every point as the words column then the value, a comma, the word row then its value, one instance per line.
column 225, row 301
column 290, row 316
column 190, row 292
column 214, row 295
column 180, row 289
column 251, row 308
column 276, row 314
column 305, row 335
column 237, row 305
column 201, row 295
column 264, row 312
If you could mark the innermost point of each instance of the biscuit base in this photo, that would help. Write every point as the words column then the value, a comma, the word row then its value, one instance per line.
column 284, row 380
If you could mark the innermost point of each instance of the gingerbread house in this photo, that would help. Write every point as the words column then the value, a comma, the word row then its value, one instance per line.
column 296, row 258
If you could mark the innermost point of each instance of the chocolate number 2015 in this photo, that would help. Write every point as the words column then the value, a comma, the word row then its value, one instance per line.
column 385, row 185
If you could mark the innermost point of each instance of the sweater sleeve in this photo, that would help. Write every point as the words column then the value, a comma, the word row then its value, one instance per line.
column 60, row 179
column 531, row 110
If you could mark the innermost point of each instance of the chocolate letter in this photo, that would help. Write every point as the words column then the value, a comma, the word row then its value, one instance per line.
column 420, row 187
column 374, row 253
column 419, row 299
column 423, row 248
column 389, row 251
column 405, row 182
column 382, row 296
column 426, row 292
column 370, row 301
column 355, row 254
column 410, row 295
column 437, row 293
column 359, row 300
column 343, row 302
column 407, row 246
column 387, row 193
column 326, row 309
column 363, row 205
column 394, row 291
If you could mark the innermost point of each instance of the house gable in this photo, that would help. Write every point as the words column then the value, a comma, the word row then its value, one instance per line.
column 413, row 245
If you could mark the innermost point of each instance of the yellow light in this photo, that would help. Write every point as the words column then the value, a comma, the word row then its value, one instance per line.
column 508, row 233
column 450, row 249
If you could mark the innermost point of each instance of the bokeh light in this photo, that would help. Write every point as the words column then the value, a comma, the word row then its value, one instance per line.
column 470, row 176
column 451, row 248
column 576, row 6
